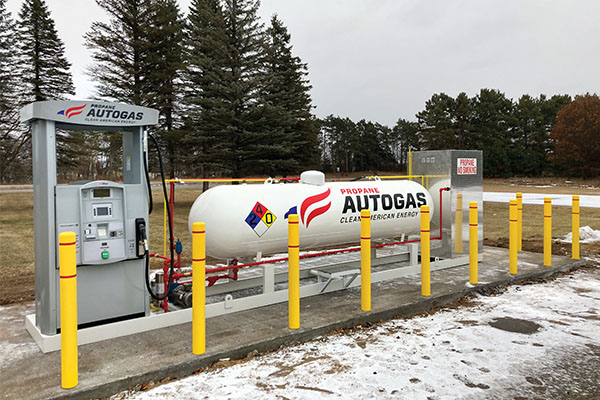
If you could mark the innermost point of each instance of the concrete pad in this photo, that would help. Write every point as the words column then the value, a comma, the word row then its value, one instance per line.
column 113, row 365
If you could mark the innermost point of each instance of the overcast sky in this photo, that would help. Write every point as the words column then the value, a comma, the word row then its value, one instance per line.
column 382, row 59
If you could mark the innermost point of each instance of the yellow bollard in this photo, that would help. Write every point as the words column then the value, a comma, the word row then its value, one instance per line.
column 513, row 237
column 365, row 260
column 520, row 221
column 425, row 253
column 293, row 272
column 547, row 231
column 198, row 288
column 68, row 310
column 473, row 244
column 575, row 228
column 458, row 240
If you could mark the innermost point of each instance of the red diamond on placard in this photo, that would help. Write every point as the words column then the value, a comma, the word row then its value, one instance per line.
column 259, row 209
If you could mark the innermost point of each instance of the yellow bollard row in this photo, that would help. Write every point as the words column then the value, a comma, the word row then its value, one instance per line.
column 547, row 231
column 68, row 310
column 575, row 228
column 293, row 272
column 425, row 253
column 365, row 260
column 198, row 288
column 458, row 240
column 473, row 244
column 513, row 237
column 520, row 221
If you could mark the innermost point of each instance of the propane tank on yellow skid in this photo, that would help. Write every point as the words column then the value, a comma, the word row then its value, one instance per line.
column 242, row 220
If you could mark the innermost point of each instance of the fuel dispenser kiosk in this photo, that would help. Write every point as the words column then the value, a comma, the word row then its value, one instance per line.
column 107, row 217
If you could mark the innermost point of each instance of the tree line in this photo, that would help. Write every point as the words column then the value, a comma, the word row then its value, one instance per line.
column 531, row 136
column 234, row 100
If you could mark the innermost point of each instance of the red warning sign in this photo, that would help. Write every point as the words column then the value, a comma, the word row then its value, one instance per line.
column 466, row 166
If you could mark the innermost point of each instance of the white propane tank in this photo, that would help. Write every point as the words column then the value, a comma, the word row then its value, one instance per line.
column 242, row 220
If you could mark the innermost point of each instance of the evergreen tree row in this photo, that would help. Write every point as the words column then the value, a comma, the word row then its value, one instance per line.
column 514, row 135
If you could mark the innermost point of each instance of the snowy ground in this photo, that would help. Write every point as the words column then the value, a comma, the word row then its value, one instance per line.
column 538, row 198
column 586, row 235
column 533, row 341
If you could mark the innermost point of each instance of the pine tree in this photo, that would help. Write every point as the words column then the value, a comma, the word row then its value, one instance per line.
column 492, row 120
column 462, row 114
column 12, row 138
column 286, row 95
column 436, row 123
column 550, row 108
column 207, row 145
column 406, row 137
column 120, row 51
column 45, row 69
column 249, row 145
column 138, row 59
column 165, row 62
column 340, row 143
column 375, row 151
column 529, row 136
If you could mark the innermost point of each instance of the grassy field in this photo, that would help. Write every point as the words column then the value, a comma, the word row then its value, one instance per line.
column 16, row 229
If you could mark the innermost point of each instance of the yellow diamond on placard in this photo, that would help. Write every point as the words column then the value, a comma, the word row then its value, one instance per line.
column 269, row 218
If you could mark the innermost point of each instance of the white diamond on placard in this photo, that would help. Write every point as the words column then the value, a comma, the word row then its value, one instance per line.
column 260, row 228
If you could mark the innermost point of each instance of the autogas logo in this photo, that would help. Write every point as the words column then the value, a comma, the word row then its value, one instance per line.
column 383, row 205
column 71, row 112
column 317, row 204
column 103, row 113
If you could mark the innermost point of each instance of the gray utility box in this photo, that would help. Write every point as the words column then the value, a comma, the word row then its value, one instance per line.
column 462, row 171
column 110, row 275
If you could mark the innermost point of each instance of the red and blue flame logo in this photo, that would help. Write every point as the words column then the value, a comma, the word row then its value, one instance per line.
column 312, row 200
column 71, row 112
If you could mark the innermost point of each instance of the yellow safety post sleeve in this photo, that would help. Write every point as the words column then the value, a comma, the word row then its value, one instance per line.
column 68, row 309
column 365, row 260
column 198, row 288
column 293, row 271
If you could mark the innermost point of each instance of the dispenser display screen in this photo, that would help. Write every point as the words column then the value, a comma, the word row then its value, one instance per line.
column 101, row 193
column 102, row 210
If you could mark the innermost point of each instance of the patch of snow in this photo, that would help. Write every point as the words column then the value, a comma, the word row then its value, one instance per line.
column 586, row 235
column 454, row 353
column 538, row 198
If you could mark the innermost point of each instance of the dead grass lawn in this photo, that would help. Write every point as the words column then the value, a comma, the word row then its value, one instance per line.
column 16, row 230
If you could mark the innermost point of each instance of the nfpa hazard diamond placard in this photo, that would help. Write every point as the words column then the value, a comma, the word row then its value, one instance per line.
column 260, row 219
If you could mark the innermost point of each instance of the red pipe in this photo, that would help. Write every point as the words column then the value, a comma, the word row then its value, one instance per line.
column 171, row 206
column 441, row 190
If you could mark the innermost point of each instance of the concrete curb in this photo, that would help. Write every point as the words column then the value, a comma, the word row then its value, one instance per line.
column 419, row 306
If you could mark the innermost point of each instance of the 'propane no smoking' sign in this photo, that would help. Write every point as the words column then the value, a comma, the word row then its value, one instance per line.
column 466, row 166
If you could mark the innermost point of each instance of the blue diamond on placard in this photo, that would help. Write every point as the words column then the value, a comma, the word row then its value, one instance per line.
column 252, row 219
